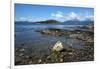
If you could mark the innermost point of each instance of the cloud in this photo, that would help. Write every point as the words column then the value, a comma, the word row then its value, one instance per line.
column 64, row 17
column 57, row 14
column 71, row 16
column 78, row 16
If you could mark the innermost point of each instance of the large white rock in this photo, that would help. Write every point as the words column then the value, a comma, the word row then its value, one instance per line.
column 58, row 46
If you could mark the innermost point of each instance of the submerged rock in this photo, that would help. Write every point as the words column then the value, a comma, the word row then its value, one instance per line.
column 58, row 46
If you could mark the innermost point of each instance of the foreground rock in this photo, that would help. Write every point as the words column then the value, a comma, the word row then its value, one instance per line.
column 58, row 46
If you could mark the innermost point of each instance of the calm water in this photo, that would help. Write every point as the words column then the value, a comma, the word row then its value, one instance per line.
column 26, row 36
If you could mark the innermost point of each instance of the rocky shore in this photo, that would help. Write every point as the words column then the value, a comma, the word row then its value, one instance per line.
column 67, row 55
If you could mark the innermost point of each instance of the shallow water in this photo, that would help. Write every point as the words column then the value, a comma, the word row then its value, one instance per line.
column 27, row 37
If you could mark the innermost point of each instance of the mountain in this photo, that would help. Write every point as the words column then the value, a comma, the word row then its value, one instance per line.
column 76, row 22
column 48, row 22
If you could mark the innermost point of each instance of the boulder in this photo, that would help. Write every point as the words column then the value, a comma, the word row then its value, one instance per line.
column 58, row 46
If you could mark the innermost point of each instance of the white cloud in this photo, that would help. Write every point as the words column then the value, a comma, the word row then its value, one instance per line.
column 57, row 14
column 78, row 16
column 71, row 16
column 64, row 17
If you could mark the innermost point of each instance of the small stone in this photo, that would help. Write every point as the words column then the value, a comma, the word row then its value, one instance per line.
column 21, row 50
column 17, row 50
column 39, row 60
column 61, row 60
column 70, row 53
column 62, row 56
column 21, row 54
column 30, row 62
column 48, row 57
column 44, row 63
column 26, row 56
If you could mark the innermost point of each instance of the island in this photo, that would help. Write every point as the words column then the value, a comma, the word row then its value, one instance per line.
column 48, row 22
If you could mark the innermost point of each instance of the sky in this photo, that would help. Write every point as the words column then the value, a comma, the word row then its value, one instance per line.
column 33, row 13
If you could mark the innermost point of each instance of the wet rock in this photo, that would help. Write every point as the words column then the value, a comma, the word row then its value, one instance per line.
column 21, row 50
column 48, row 57
column 27, row 57
column 21, row 54
column 58, row 46
column 61, row 60
column 16, row 49
column 30, row 62
column 70, row 53
column 46, row 31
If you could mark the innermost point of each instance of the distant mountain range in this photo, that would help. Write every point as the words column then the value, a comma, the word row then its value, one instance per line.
column 70, row 22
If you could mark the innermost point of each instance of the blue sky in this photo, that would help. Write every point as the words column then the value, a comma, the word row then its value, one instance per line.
column 27, row 12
